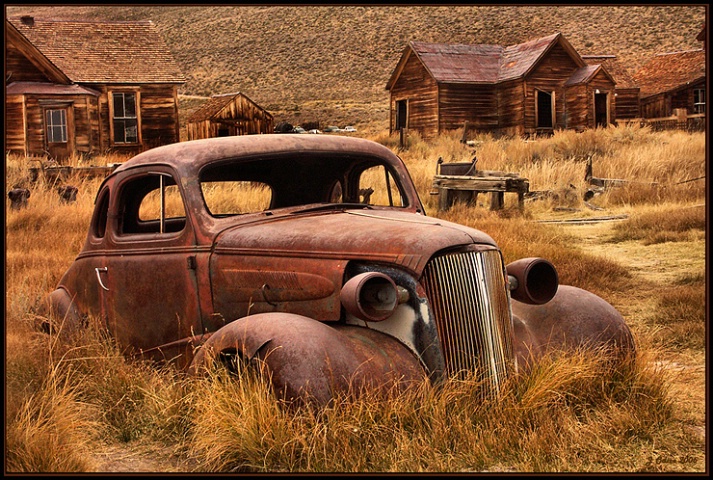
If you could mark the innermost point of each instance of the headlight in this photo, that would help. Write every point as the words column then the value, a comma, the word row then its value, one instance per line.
column 372, row 296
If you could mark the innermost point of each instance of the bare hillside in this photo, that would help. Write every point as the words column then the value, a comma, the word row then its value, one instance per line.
column 331, row 63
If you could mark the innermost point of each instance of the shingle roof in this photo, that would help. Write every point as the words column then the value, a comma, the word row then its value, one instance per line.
column 103, row 52
column 618, row 72
column 480, row 63
column 215, row 104
column 669, row 71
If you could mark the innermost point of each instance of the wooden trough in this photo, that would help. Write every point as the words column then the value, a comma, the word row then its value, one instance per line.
column 462, row 182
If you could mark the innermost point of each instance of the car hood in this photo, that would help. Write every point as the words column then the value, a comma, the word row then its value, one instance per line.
column 389, row 236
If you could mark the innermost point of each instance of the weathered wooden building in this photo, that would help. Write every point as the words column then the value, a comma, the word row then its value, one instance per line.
column 533, row 87
column 626, row 90
column 227, row 115
column 88, row 87
column 673, row 81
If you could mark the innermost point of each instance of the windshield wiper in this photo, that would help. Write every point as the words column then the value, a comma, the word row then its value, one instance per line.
column 333, row 206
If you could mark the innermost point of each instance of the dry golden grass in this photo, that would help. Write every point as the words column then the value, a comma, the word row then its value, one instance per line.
column 69, row 402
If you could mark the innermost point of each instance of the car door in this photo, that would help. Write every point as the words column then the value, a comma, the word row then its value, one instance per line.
column 149, row 280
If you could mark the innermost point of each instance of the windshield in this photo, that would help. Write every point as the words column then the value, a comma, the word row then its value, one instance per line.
column 292, row 180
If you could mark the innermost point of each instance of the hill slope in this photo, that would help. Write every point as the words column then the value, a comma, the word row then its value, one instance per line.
column 331, row 63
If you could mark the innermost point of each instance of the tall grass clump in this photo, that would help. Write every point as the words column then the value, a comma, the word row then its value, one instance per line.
column 565, row 415
column 665, row 223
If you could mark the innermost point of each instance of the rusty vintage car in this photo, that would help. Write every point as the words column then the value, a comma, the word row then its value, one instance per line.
column 313, row 257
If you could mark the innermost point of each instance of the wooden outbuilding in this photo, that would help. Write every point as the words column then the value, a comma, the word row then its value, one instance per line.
column 529, row 88
column 227, row 115
column 672, row 81
column 626, row 91
column 88, row 87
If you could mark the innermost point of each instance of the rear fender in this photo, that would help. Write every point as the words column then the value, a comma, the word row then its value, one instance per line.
column 310, row 361
column 573, row 318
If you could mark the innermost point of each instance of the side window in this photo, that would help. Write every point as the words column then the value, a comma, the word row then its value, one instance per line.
column 125, row 120
column 378, row 187
column 236, row 197
column 56, row 122
column 100, row 216
column 152, row 204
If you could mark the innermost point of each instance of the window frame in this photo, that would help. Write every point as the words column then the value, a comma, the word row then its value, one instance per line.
column 113, row 117
column 50, row 126
column 699, row 106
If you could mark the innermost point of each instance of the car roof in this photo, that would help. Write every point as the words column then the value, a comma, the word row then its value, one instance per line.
column 190, row 156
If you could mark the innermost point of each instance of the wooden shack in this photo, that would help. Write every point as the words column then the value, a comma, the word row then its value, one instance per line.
column 88, row 87
column 673, row 81
column 626, row 91
column 227, row 115
column 529, row 88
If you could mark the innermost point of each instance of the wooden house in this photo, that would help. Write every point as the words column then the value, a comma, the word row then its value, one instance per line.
column 533, row 87
column 88, row 87
column 228, row 115
column 672, row 81
column 626, row 90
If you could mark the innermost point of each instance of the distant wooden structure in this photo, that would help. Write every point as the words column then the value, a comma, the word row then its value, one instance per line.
column 529, row 88
column 673, row 81
column 88, row 87
column 228, row 115
column 462, row 182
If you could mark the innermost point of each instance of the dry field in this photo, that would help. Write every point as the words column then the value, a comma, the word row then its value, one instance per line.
column 81, row 407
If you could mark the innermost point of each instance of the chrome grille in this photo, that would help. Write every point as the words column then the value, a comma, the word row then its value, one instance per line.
column 470, row 301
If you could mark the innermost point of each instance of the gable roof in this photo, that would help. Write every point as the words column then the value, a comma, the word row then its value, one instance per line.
column 216, row 103
column 101, row 51
column 669, row 71
column 619, row 73
column 585, row 74
column 480, row 63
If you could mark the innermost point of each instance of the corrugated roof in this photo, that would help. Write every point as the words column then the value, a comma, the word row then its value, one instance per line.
column 460, row 63
column 669, row 71
column 103, row 52
column 480, row 63
column 41, row 88
column 518, row 59
column 582, row 75
column 618, row 72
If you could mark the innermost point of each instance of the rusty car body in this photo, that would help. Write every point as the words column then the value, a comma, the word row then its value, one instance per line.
column 313, row 256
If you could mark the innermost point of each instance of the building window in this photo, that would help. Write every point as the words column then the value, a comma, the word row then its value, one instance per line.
column 126, row 122
column 57, row 126
column 699, row 100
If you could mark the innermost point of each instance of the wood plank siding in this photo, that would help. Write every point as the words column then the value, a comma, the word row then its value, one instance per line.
column 548, row 76
column 229, row 115
column 460, row 103
column 420, row 91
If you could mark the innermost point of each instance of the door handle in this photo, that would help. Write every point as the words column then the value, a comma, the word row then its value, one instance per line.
column 99, row 270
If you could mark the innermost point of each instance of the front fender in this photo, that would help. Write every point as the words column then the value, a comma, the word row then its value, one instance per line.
column 573, row 318
column 58, row 313
column 311, row 361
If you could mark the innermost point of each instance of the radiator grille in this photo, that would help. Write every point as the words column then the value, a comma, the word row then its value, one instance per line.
column 469, row 297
